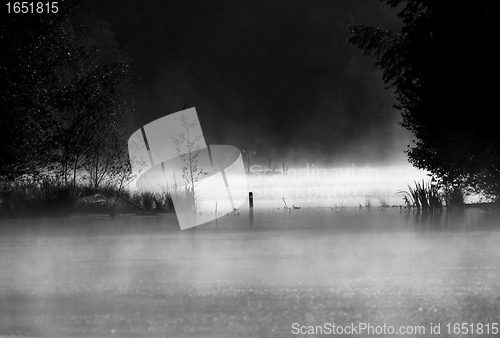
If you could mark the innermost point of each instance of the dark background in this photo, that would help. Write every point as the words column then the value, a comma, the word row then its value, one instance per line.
column 275, row 77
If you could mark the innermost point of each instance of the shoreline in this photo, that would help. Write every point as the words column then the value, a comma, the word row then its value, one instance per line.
column 489, row 206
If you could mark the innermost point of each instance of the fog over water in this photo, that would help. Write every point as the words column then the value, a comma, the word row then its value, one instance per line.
column 310, row 246
column 312, row 186
column 143, row 276
column 338, row 186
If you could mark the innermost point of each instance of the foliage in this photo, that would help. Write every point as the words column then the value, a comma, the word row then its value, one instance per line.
column 25, row 197
column 64, row 99
column 423, row 196
column 437, row 64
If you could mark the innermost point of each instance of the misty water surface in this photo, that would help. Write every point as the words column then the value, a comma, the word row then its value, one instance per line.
column 88, row 267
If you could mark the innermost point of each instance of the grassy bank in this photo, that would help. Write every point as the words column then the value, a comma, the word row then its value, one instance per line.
column 24, row 200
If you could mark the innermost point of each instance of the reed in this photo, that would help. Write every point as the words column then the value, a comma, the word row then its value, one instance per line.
column 425, row 196
column 50, row 197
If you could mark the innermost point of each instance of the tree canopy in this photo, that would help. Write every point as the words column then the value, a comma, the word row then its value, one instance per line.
column 440, row 64
column 65, row 91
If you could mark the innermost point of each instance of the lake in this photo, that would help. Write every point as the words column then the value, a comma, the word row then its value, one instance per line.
column 277, row 274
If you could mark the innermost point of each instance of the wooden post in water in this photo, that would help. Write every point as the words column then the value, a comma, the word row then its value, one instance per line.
column 250, row 213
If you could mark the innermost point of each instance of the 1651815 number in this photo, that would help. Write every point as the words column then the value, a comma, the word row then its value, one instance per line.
column 472, row 328
column 26, row 7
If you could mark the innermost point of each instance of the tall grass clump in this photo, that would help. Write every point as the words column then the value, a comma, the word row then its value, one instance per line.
column 186, row 200
column 27, row 198
column 150, row 201
column 156, row 201
column 50, row 197
column 423, row 196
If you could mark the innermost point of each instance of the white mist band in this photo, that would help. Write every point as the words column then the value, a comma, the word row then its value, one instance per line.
column 171, row 153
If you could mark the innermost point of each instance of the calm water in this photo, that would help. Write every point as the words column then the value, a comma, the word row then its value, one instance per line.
column 44, row 264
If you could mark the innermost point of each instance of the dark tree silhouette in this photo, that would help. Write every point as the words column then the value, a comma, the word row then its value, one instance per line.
column 64, row 93
column 440, row 65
